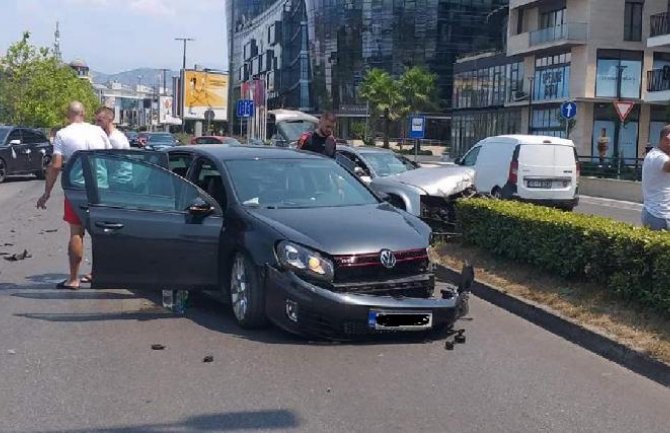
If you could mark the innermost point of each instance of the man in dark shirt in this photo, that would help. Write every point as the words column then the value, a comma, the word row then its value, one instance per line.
column 322, row 140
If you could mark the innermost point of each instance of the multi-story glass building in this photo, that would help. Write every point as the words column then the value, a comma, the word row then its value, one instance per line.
column 315, row 53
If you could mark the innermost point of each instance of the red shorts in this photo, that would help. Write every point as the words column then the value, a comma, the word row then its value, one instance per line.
column 69, row 215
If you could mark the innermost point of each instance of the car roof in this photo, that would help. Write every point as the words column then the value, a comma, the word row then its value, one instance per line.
column 282, row 115
column 365, row 149
column 528, row 139
column 216, row 151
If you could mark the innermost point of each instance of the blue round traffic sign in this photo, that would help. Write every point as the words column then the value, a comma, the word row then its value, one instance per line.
column 568, row 110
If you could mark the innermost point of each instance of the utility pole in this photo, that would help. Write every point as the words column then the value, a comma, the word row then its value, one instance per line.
column 183, row 86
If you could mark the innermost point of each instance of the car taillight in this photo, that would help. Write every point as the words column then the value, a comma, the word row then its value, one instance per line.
column 513, row 172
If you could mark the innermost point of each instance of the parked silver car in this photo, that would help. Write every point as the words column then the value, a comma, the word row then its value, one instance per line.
column 427, row 192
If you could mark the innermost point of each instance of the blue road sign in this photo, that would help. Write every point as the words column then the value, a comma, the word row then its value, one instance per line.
column 245, row 108
column 568, row 110
column 417, row 127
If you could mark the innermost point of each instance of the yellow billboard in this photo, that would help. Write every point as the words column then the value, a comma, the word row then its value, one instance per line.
column 205, row 91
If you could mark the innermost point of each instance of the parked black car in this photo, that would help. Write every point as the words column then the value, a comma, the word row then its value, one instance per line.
column 23, row 151
column 286, row 235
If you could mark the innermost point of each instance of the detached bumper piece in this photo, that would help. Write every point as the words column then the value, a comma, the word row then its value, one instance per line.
column 355, row 310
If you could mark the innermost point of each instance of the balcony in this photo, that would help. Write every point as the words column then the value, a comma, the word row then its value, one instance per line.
column 660, row 30
column 658, row 85
column 565, row 35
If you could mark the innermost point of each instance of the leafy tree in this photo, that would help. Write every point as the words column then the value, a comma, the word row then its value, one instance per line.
column 385, row 98
column 35, row 88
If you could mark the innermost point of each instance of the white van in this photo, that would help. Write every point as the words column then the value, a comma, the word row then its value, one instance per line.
column 542, row 170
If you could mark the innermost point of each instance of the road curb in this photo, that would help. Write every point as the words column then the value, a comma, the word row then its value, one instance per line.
column 555, row 323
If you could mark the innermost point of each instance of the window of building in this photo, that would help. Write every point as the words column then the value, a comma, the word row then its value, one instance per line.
column 519, row 21
column 547, row 121
column 632, row 26
column 619, row 67
column 553, row 18
column 658, row 119
column 605, row 120
column 552, row 77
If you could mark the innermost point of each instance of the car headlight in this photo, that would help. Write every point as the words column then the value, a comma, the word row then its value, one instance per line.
column 305, row 261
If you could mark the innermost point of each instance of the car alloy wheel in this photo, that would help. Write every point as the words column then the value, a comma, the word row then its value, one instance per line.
column 3, row 171
column 239, row 288
column 247, row 293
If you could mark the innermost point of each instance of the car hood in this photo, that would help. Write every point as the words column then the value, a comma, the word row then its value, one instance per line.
column 348, row 230
column 435, row 181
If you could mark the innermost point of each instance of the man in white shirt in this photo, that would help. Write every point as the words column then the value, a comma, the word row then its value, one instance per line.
column 78, row 135
column 656, row 184
column 121, row 175
column 104, row 118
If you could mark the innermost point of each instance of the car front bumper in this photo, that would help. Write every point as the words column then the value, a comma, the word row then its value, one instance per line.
column 327, row 314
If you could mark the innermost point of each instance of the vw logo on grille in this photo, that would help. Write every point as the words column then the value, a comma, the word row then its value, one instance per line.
column 387, row 258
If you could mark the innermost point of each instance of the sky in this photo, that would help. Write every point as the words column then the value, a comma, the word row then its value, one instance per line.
column 117, row 35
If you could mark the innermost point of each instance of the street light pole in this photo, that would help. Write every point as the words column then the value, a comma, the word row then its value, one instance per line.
column 183, row 86
column 619, row 79
column 184, row 40
column 530, row 101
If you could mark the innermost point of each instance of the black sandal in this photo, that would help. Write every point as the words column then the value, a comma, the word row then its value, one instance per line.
column 63, row 286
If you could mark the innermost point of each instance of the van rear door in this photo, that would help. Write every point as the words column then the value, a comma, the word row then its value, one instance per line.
column 547, row 171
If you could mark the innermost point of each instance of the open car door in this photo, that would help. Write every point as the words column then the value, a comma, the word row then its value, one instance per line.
column 150, row 228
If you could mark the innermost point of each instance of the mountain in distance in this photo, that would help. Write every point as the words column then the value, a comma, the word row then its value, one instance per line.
column 149, row 77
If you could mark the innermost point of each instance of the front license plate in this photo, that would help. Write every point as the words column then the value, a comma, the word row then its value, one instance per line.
column 545, row 184
column 383, row 320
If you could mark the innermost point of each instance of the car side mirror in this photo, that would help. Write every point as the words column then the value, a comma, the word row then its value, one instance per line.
column 14, row 142
column 458, row 161
column 200, row 208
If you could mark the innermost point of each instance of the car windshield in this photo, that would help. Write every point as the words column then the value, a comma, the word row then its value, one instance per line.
column 296, row 183
column 164, row 139
column 387, row 163
column 3, row 134
column 292, row 130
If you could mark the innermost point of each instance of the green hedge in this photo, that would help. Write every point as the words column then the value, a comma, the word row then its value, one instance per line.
column 631, row 261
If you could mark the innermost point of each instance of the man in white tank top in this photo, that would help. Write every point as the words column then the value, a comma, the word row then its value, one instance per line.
column 656, row 184
column 78, row 135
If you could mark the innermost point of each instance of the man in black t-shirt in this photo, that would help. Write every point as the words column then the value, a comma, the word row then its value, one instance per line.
column 321, row 140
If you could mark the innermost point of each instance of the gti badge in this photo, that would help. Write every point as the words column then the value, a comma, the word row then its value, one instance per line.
column 387, row 258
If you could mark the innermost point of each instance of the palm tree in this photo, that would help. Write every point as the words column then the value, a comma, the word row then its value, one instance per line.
column 418, row 87
column 385, row 98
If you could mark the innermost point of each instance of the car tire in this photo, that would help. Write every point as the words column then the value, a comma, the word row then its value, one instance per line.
column 3, row 170
column 247, row 297
column 42, row 174
column 496, row 193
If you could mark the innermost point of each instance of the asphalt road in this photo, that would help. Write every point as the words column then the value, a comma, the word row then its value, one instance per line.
column 82, row 362
column 619, row 210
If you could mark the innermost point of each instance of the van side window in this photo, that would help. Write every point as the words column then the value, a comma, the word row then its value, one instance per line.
column 470, row 159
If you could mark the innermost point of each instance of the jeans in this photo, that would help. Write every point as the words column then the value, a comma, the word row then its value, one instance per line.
column 652, row 222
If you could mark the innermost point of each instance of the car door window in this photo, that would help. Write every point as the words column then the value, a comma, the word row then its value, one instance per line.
column 32, row 137
column 152, row 187
column 208, row 178
column 470, row 159
column 180, row 163
column 15, row 135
